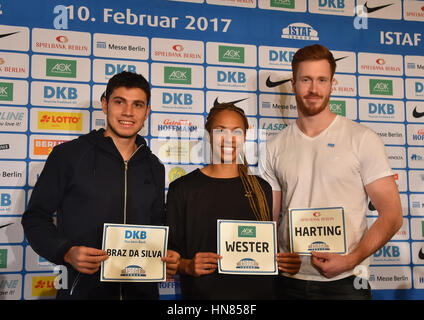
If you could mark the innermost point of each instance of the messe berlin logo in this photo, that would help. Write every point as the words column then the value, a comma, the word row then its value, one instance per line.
column 300, row 31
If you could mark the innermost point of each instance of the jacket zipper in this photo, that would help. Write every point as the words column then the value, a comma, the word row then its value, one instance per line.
column 74, row 284
column 125, row 200
column 76, row 280
column 126, row 183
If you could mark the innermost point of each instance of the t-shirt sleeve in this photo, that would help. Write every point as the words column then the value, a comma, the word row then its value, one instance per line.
column 373, row 158
column 267, row 168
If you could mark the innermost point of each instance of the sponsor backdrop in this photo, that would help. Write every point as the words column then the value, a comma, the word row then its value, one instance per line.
column 56, row 57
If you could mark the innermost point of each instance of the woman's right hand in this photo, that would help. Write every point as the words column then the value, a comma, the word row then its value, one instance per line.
column 202, row 263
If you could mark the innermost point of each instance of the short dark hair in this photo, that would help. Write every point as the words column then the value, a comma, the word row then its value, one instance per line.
column 128, row 80
column 313, row 52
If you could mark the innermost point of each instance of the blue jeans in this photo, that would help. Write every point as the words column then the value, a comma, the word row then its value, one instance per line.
column 343, row 289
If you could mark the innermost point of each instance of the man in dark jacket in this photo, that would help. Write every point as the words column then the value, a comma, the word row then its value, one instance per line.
column 106, row 176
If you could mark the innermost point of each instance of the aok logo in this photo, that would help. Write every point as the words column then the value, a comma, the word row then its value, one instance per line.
column 61, row 68
column 338, row 107
column 289, row 4
column 247, row 231
column 6, row 91
column 60, row 121
column 382, row 87
column 177, row 75
column 231, row 54
column 3, row 258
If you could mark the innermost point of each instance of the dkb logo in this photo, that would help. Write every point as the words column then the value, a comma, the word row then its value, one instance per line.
column 5, row 200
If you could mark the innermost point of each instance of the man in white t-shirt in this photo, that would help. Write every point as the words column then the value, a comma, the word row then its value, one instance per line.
column 324, row 160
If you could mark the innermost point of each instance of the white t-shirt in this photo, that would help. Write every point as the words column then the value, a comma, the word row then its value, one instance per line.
column 328, row 170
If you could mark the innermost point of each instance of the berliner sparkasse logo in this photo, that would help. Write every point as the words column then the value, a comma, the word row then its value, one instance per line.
column 247, row 231
column 300, row 31
column 61, row 68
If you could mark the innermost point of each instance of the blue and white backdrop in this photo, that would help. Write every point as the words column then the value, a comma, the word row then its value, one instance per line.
column 57, row 55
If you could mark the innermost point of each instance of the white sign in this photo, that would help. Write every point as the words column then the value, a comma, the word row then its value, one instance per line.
column 247, row 247
column 135, row 253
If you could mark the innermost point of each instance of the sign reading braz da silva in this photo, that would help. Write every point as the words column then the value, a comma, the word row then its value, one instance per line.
column 135, row 253
column 317, row 229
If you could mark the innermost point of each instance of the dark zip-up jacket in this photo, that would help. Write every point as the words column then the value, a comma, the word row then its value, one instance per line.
column 87, row 183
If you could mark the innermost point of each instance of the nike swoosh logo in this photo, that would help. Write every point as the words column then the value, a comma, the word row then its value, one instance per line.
column 7, row 34
column 417, row 114
column 338, row 59
column 421, row 254
column 373, row 9
column 371, row 206
column 272, row 84
column 215, row 103
column 6, row 225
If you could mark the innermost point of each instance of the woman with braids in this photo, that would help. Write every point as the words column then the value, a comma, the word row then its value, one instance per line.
column 222, row 190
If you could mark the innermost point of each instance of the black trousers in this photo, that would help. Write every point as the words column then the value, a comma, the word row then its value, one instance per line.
column 343, row 289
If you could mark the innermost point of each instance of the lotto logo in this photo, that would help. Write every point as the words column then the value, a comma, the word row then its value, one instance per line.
column 60, row 120
column 43, row 286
